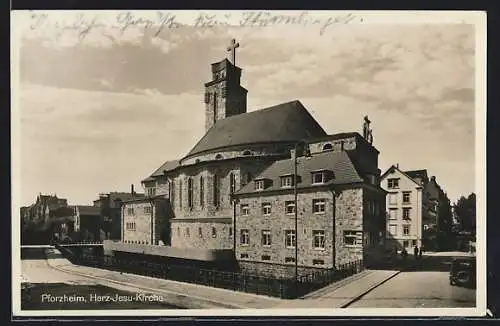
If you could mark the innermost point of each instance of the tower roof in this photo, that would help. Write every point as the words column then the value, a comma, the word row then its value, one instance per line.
column 280, row 123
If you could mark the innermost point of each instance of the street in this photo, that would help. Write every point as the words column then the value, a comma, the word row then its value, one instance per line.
column 425, row 287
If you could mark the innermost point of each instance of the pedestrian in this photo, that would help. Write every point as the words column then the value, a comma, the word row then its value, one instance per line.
column 415, row 251
column 420, row 252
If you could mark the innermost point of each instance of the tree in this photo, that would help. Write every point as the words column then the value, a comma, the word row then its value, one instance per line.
column 465, row 209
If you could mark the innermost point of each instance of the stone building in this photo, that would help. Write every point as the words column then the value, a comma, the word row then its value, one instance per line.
column 40, row 211
column 202, row 188
column 145, row 221
column 110, row 208
column 340, row 213
column 87, row 221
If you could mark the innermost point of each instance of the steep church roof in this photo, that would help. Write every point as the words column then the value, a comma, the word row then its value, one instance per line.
column 283, row 122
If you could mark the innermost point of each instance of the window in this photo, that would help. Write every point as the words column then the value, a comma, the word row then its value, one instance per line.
column 265, row 257
column 266, row 209
column 413, row 243
column 406, row 213
column 393, row 214
column 218, row 157
column 393, row 198
column 393, row 183
column 130, row 226
column 327, row 147
column 318, row 262
column 247, row 153
column 406, row 197
column 286, row 181
column 216, row 191
column 180, row 193
column 190, row 192
column 266, row 238
column 406, row 243
column 172, row 194
column 259, row 185
column 214, row 232
column 243, row 256
column 290, row 207
column 151, row 191
column 318, row 177
column 244, row 237
column 319, row 239
column 290, row 238
column 289, row 260
column 187, row 233
column 230, row 231
column 351, row 238
column 202, row 191
column 200, row 232
column 148, row 209
column 393, row 229
column 232, row 184
column 178, row 231
column 318, row 206
column 245, row 210
column 406, row 229
column 130, row 211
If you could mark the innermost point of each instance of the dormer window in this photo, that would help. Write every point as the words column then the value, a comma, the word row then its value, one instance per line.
column 327, row 147
column 287, row 181
column 318, row 177
column 219, row 157
column 259, row 184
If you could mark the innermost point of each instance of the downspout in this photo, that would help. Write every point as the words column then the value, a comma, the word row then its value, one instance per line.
column 334, row 232
column 152, row 221
column 234, row 227
column 122, row 219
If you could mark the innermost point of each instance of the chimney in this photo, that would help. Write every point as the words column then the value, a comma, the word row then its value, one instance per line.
column 397, row 165
column 293, row 154
column 132, row 189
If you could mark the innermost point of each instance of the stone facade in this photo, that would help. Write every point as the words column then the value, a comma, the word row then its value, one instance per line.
column 145, row 221
column 224, row 96
column 344, row 212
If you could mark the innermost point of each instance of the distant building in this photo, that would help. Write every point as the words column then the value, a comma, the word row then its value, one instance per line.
column 41, row 210
column 87, row 221
column 109, row 205
column 404, row 207
column 414, row 206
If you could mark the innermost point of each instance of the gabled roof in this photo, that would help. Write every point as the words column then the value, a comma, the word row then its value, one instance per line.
column 340, row 163
column 280, row 123
column 395, row 168
column 422, row 174
column 167, row 166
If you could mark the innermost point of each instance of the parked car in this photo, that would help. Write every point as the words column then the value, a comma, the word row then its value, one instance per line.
column 463, row 271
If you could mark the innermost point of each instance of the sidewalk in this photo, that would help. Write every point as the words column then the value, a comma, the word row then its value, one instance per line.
column 341, row 294
column 186, row 295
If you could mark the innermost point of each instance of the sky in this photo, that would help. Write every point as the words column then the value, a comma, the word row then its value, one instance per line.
column 101, row 110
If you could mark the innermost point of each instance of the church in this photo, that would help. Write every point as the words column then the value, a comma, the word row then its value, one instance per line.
column 231, row 197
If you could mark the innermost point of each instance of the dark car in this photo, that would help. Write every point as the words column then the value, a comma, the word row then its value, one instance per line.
column 463, row 271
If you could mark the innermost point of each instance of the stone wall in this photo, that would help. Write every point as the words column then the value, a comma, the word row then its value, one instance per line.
column 275, row 270
column 198, row 234
column 278, row 222
column 142, row 220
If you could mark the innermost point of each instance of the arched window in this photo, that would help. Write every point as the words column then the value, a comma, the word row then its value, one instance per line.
column 190, row 192
column 180, row 193
column 172, row 194
column 247, row 153
column 202, row 191
column 216, row 190
column 197, row 161
column 218, row 157
column 327, row 147
column 232, row 184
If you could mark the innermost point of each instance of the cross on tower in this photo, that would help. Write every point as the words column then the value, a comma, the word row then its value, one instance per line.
column 232, row 48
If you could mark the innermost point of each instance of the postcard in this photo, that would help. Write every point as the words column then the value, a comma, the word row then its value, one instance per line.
column 243, row 163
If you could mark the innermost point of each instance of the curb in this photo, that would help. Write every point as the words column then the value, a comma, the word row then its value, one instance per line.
column 337, row 285
column 359, row 296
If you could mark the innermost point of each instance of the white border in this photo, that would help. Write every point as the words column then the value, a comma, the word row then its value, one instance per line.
column 19, row 23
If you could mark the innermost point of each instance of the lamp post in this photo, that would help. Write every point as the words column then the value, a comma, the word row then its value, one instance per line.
column 295, row 193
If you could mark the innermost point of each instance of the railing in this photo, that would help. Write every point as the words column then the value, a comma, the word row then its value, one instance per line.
column 285, row 288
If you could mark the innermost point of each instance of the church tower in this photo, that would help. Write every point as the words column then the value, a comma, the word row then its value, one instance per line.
column 224, row 96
